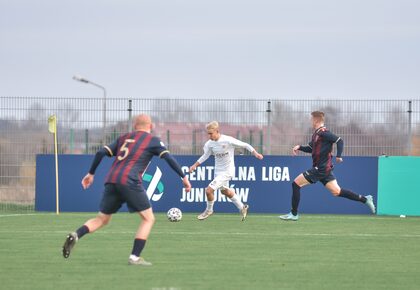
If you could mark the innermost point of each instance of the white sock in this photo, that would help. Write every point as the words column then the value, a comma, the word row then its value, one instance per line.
column 237, row 202
column 134, row 258
column 210, row 205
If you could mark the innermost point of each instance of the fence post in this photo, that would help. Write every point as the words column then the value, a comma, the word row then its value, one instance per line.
column 194, row 142
column 251, row 139
column 130, row 109
column 168, row 138
column 409, row 128
column 268, row 127
column 86, row 141
column 71, row 141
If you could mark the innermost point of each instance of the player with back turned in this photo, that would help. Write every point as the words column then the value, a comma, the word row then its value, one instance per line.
column 123, row 184
column 321, row 147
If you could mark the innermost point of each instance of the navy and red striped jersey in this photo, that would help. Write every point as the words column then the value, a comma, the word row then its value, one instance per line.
column 133, row 152
column 321, row 146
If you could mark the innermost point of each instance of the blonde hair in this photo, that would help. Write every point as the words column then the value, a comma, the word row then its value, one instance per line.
column 318, row 115
column 212, row 125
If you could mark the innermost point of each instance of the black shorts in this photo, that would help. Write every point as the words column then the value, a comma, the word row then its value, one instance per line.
column 115, row 195
column 314, row 175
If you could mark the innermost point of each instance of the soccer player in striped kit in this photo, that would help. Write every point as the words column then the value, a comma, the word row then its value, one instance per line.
column 223, row 149
column 321, row 146
column 123, row 184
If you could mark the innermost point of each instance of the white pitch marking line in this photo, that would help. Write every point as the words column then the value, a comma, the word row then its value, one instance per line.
column 23, row 214
column 230, row 234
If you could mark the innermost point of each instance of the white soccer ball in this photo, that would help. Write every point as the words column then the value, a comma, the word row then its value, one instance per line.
column 174, row 214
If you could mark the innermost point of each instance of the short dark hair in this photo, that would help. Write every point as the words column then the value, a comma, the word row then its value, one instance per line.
column 319, row 115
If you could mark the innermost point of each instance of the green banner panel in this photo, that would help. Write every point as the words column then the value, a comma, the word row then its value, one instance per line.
column 398, row 185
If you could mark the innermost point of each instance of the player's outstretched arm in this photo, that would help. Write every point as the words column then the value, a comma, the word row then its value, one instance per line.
column 257, row 155
column 340, row 147
column 187, row 184
column 175, row 167
column 303, row 148
column 87, row 181
column 173, row 163
column 194, row 166
column 204, row 157
column 240, row 144
column 295, row 149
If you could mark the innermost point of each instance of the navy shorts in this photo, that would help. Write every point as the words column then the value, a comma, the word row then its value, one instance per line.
column 314, row 175
column 115, row 195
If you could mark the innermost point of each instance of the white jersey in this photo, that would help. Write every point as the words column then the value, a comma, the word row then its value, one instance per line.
column 223, row 151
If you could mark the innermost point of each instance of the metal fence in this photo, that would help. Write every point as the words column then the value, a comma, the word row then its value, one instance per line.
column 368, row 128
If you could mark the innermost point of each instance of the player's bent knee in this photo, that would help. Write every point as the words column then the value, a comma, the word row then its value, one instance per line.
column 151, row 219
column 335, row 192
column 209, row 191
column 229, row 193
column 105, row 220
column 148, row 217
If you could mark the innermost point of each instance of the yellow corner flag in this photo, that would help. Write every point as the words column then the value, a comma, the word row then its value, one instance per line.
column 52, row 127
column 52, row 124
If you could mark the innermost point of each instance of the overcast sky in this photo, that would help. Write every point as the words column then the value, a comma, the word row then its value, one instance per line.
column 219, row 48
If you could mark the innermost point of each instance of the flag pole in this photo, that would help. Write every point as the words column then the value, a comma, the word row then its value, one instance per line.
column 52, row 127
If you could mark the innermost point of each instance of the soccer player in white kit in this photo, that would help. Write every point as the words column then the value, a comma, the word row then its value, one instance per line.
column 223, row 149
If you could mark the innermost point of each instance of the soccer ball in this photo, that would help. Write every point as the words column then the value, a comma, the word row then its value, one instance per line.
column 174, row 214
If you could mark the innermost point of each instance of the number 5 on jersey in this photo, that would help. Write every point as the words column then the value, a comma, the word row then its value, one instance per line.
column 125, row 149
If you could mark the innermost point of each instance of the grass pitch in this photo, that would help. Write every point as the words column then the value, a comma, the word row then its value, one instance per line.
column 317, row 252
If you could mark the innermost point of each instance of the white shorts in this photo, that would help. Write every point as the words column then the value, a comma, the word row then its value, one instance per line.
column 220, row 182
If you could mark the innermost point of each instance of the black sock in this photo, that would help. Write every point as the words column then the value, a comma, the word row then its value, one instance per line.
column 351, row 195
column 295, row 198
column 138, row 247
column 83, row 230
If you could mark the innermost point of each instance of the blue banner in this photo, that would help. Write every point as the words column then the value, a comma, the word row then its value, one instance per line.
column 266, row 185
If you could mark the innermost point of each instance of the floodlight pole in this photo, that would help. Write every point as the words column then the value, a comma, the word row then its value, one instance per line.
column 268, row 127
column 86, row 81
column 410, row 111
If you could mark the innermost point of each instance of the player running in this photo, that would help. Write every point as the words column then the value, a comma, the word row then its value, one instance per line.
column 321, row 146
column 223, row 149
column 123, row 184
